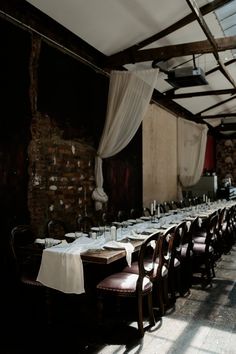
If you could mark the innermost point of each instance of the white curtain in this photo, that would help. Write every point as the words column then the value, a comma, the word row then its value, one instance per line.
column 192, row 138
column 129, row 95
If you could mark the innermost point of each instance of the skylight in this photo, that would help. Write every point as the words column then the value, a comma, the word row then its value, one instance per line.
column 226, row 16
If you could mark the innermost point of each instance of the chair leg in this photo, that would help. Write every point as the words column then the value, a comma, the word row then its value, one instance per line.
column 165, row 292
column 140, row 316
column 150, row 310
column 99, row 310
column 160, row 295
column 48, row 304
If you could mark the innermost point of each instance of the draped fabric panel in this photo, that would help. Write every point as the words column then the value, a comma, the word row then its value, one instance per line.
column 129, row 95
column 192, row 139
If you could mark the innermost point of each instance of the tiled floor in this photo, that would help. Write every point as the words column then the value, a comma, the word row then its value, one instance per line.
column 204, row 322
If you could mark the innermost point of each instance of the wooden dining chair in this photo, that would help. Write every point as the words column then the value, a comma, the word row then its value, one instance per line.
column 121, row 216
column 85, row 223
column 154, row 259
column 203, row 252
column 225, row 230
column 146, row 212
column 27, row 266
column 56, row 229
column 179, row 260
column 135, row 213
column 131, row 285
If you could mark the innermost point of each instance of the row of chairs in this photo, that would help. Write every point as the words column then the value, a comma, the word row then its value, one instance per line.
column 176, row 256
column 157, row 274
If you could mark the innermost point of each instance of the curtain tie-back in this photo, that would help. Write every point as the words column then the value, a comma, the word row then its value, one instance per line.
column 100, row 197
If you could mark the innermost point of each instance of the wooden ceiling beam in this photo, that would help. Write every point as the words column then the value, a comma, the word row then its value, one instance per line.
column 29, row 18
column 177, row 50
column 226, row 127
column 200, row 19
column 216, row 68
column 119, row 58
column 173, row 96
column 223, row 115
column 215, row 105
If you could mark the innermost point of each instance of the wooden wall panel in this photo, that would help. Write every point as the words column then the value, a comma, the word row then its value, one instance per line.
column 159, row 156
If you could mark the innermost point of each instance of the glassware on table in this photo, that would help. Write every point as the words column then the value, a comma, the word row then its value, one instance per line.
column 107, row 232
column 48, row 242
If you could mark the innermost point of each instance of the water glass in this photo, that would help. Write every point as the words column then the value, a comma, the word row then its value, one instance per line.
column 48, row 242
column 107, row 233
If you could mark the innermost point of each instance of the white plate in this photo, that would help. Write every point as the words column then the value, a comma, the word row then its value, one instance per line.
column 96, row 229
column 110, row 245
column 145, row 217
column 139, row 220
column 137, row 237
column 151, row 231
column 75, row 234
column 41, row 241
column 131, row 220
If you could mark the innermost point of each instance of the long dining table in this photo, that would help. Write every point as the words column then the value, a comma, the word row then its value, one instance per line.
column 62, row 265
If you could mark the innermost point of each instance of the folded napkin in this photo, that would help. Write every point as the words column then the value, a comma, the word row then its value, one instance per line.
column 129, row 248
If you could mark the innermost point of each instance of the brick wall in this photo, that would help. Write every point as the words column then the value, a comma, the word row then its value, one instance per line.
column 61, row 175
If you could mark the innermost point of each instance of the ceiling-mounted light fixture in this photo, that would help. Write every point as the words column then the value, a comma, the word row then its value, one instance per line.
column 187, row 76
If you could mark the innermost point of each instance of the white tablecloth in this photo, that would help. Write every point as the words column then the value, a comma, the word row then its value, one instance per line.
column 62, row 268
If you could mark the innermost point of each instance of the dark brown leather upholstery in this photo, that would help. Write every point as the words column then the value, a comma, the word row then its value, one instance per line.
column 126, row 284
column 159, row 270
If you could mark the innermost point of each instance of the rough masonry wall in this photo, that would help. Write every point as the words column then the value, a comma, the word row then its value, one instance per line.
column 61, row 175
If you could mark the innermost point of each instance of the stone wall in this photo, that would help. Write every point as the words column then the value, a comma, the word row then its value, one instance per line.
column 61, row 175
column 226, row 160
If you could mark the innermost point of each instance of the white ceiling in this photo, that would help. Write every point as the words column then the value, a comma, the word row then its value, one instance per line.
column 114, row 25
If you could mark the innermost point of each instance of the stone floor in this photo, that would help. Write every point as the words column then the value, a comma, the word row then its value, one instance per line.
column 203, row 322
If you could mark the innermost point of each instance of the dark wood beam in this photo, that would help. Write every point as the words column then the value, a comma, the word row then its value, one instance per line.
column 216, row 105
column 177, row 50
column 26, row 16
column 172, row 96
column 200, row 19
column 223, row 115
column 226, row 127
column 175, row 108
column 128, row 52
column 211, row 71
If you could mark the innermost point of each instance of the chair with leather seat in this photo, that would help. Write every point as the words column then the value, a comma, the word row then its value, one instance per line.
column 160, row 272
column 203, row 253
column 174, row 276
column 225, row 230
column 186, row 259
column 200, row 234
column 131, row 285
column 27, row 264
